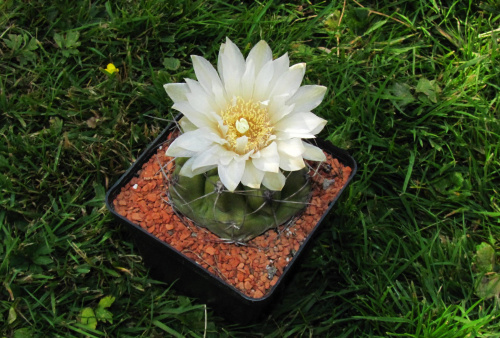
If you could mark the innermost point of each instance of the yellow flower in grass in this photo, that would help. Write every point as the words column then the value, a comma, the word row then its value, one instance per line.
column 111, row 69
column 247, row 118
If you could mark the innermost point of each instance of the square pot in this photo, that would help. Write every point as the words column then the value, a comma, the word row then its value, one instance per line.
column 171, row 266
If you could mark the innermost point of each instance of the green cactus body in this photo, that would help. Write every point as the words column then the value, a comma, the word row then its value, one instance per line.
column 240, row 215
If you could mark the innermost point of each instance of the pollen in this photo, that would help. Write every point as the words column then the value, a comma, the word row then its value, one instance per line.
column 247, row 118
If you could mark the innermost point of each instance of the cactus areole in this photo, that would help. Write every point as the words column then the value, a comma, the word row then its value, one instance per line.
column 243, row 214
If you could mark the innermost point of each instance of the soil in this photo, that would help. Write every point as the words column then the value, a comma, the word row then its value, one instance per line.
column 252, row 268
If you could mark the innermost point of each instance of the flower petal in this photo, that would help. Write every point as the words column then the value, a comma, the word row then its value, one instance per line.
column 241, row 143
column 226, row 157
column 292, row 147
column 247, row 81
column 193, row 142
column 209, row 79
column 231, row 66
column 220, row 96
column 189, row 171
column 231, row 174
column 199, row 99
column 186, row 125
column 277, row 109
column 252, row 177
column 301, row 125
column 220, row 65
column 262, row 82
column 260, row 54
column 268, row 76
column 291, row 154
column 313, row 153
column 274, row 181
column 289, row 82
column 205, row 72
column 209, row 157
column 177, row 91
column 179, row 152
column 268, row 159
column 291, row 163
column 281, row 65
column 195, row 117
column 307, row 98
column 186, row 168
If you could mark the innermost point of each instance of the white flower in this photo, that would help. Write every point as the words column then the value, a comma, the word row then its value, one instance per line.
column 247, row 119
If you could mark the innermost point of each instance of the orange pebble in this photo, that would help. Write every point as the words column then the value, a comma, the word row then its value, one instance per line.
column 258, row 294
column 136, row 216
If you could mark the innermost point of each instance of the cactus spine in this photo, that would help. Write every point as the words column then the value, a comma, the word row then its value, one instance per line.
column 240, row 215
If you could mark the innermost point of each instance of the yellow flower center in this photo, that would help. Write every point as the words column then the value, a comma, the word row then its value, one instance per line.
column 247, row 118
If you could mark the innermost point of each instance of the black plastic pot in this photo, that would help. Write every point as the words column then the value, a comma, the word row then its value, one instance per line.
column 169, row 265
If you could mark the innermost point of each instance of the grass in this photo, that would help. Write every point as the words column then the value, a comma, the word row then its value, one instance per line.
column 413, row 95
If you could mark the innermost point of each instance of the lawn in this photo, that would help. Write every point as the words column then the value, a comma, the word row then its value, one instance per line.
column 410, row 249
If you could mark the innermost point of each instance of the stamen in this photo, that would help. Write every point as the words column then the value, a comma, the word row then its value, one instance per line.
column 250, row 119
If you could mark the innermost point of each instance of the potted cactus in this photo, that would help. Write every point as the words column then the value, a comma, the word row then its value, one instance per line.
column 240, row 165
column 243, row 127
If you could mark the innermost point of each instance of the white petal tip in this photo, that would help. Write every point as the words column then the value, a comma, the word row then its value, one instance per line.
column 301, row 65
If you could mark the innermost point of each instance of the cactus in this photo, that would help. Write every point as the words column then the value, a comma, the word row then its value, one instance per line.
column 240, row 215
